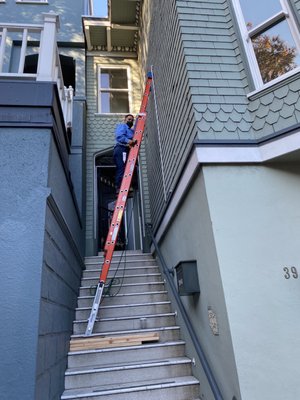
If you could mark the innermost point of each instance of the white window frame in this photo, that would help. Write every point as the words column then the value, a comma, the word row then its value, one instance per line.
column 99, row 89
column 285, row 14
column 32, row 1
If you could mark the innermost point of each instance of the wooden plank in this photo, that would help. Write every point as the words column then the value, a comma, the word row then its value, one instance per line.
column 111, row 341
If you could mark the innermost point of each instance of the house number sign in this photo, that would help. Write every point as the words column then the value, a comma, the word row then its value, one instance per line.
column 290, row 272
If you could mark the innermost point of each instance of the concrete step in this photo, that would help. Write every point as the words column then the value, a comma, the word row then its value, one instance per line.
column 125, row 298
column 128, row 270
column 110, row 311
column 166, row 333
column 127, row 323
column 104, row 357
column 126, row 288
column 125, row 279
column 137, row 262
column 127, row 372
column 178, row 388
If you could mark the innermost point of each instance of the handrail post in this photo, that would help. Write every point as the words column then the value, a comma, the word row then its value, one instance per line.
column 47, row 54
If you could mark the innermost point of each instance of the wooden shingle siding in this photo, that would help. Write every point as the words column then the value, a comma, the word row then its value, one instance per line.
column 297, row 5
column 216, row 73
column 203, row 82
column 173, row 101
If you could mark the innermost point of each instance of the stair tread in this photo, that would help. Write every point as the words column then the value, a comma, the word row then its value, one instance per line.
column 123, row 318
column 126, row 305
column 130, row 387
column 122, row 276
column 129, row 331
column 126, row 294
column 129, row 365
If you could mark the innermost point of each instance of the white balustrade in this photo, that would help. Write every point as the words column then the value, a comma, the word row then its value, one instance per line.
column 48, row 68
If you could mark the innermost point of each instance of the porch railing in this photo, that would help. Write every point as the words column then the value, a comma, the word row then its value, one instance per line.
column 12, row 62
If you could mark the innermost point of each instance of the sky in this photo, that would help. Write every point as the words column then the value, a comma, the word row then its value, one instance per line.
column 100, row 8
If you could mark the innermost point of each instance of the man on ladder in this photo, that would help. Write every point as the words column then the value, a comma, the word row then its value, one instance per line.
column 123, row 134
column 120, row 203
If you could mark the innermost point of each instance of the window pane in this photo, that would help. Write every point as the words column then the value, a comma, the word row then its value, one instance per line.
column 114, row 79
column 257, row 11
column 114, row 102
column 275, row 51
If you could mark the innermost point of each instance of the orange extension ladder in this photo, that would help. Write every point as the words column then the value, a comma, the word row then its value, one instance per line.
column 120, row 205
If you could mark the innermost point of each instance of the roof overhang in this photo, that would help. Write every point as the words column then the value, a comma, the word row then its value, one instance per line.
column 118, row 33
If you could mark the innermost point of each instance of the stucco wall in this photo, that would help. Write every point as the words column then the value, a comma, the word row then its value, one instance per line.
column 191, row 237
column 41, row 240
column 255, row 218
column 61, row 275
column 23, row 191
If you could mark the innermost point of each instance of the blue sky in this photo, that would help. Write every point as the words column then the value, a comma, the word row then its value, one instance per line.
column 256, row 11
column 100, row 8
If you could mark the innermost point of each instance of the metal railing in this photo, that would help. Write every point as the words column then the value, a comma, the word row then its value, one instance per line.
column 48, row 67
column 204, row 363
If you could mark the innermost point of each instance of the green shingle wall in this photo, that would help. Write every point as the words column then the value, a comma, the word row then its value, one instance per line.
column 202, row 81
column 162, row 48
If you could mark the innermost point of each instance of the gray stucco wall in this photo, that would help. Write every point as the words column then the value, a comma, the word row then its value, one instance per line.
column 41, row 240
column 192, row 232
column 23, row 191
column 61, row 274
column 254, row 214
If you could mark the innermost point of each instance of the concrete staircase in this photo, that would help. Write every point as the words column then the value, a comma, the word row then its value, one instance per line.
column 157, row 370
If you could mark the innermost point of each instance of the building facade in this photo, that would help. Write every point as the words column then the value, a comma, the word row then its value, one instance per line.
column 218, row 176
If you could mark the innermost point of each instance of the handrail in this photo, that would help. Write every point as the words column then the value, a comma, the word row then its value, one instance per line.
column 167, row 271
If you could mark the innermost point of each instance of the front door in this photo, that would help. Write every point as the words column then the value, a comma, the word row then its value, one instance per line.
column 130, row 233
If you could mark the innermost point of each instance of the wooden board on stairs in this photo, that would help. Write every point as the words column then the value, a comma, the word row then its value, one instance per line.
column 94, row 343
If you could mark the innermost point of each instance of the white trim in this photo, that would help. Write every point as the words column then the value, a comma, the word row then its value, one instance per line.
column 32, row 2
column 228, row 154
column 274, row 82
column 128, row 90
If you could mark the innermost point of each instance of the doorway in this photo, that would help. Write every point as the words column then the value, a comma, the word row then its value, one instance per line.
column 130, row 234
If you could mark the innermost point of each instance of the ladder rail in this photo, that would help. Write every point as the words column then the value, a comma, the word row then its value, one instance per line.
column 120, row 205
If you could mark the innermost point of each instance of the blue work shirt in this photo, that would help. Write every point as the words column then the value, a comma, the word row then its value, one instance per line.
column 123, row 134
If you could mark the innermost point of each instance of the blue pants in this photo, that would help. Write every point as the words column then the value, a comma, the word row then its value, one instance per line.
column 120, row 162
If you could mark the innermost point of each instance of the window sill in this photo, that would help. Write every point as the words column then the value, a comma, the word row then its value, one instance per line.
column 275, row 84
column 111, row 114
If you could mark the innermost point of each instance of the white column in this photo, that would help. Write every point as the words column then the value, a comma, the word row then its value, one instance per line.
column 47, row 54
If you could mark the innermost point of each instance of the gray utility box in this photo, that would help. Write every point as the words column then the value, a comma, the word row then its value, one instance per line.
column 187, row 278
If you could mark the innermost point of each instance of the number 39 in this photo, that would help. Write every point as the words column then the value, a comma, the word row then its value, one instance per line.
column 290, row 272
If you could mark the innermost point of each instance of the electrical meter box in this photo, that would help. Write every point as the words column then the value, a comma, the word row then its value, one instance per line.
column 187, row 278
